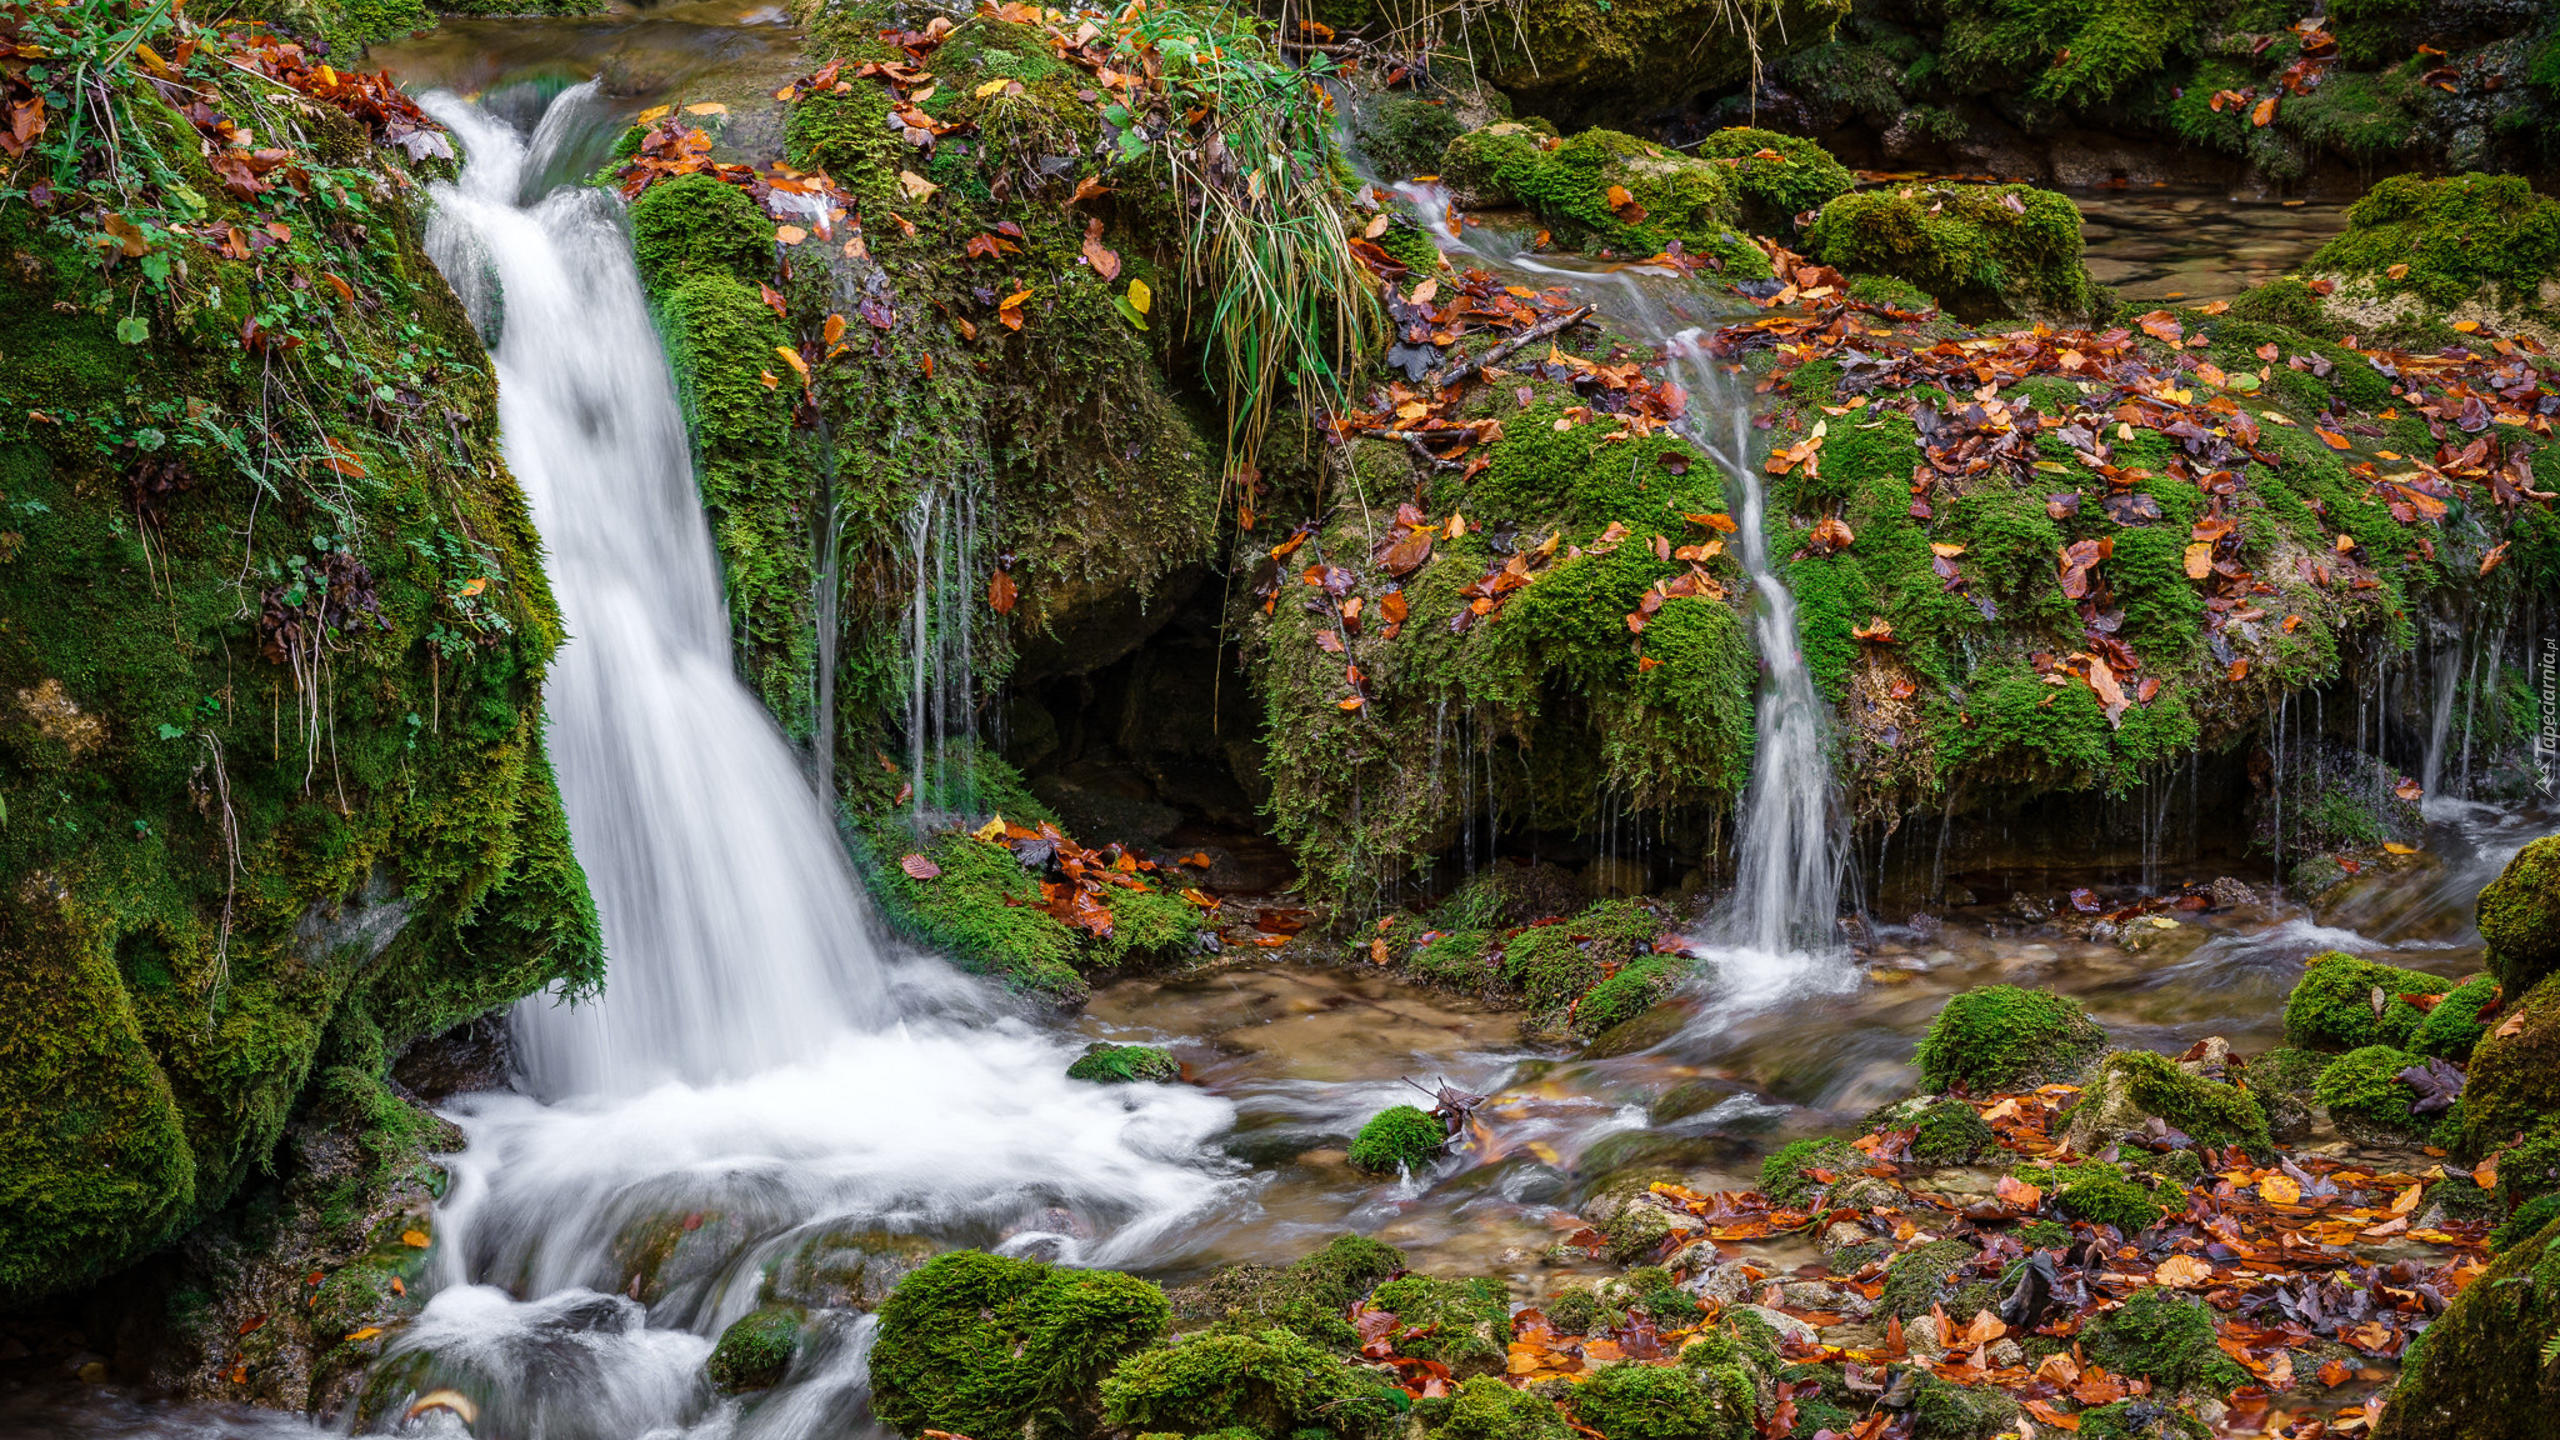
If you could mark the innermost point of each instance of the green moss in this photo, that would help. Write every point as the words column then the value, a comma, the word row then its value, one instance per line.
column 1921, row 1277
column 2288, row 301
column 2001, row 1037
column 2331, row 1007
column 2133, row 1086
column 2454, row 235
column 2166, row 1338
column 693, row 225
column 2478, row 1369
column 2514, row 1080
column 2531, row 1218
column 1803, row 178
column 2365, row 1085
column 1271, row 1383
column 2097, row 1192
column 1555, row 965
column 2142, row 1420
column 2519, row 917
column 1786, row 1177
column 1951, row 1132
column 1963, row 244
column 1673, row 199
column 1465, row 1324
column 2453, row 1027
column 1636, row 988
column 1483, row 1408
column 1398, row 1137
column 1309, row 1296
column 2530, row 1169
column 1662, row 1402
column 1945, row 1411
column 756, row 1348
column 1125, row 1064
column 1404, row 134
column 981, row 1345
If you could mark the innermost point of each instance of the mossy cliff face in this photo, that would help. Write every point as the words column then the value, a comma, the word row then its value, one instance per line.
column 272, row 630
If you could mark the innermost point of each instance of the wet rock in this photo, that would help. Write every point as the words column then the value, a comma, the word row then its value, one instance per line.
column 1612, row 878
column 1924, row 927
column 1959, row 896
column 472, row 1056
column 1789, row 1328
column 2004, row 1353
column 2228, row 893
column 2031, row 908
column 1724, row 1285
column 1818, row 1295
column 2133, row 1088
column 839, row 1269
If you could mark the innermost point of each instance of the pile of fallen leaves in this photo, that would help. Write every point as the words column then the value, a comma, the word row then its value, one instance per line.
column 1075, row 882
column 388, row 114
column 2282, row 1255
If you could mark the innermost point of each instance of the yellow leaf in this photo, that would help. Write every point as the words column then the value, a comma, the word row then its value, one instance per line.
column 992, row 832
column 707, row 107
column 2279, row 1190
column 1140, row 297
column 653, row 115
column 1014, row 300
column 2199, row 560
column 990, row 88
column 366, row 1333
column 2182, row 1272
column 2394, row 847
column 792, row 358
column 917, row 187
column 414, row 1239
column 1945, row 551
column 2397, row 271
column 789, row 234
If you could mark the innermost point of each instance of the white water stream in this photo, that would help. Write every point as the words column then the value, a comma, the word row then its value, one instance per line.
column 761, row 1074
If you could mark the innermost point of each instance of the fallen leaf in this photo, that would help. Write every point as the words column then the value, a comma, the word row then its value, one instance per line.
column 2182, row 1272
column 920, row 867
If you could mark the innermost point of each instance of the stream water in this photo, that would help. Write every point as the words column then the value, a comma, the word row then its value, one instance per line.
column 767, row 1074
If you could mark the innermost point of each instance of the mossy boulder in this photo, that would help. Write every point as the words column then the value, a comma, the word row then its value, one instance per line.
column 2465, row 243
column 2099, row 1193
column 845, row 1269
column 2478, row 1368
column 2332, row 1006
column 2168, row 1339
column 692, row 225
column 1603, row 189
column 1984, row 251
column 1799, row 1171
column 2001, row 1037
column 1400, row 1137
column 273, row 636
column 1618, row 60
column 2134, row 1087
column 1309, row 1295
column 978, row 1344
column 1463, row 1324
column 1272, row 1382
column 2453, row 1026
column 1942, row 1410
column 1951, row 1132
column 2520, row 914
column 1125, row 1065
column 1483, row 1408
column 1778, row 177
column 756, row 1349
column 1921, row 1277
column 2513, row 1081
column 2365, row 1094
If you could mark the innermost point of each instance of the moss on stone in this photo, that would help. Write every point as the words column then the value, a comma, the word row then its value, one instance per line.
column 1466, row 1324
column 2331, row 1007
column 1398, row 1137
column 1483, row 1408
column 2364, row 1086
column 2519, row 915
column 1636, row 988
column 695, row 225
column 1403, row 134
column 1668, row 1402
column 756, row 1349
column 2133, row 1087
column 2477, row 1369
column 2097, row 1192
column 1787, row 1177
column 2168, row 1339
column 1945, row 1411
column 982, row 1345
column 1951, row 1132
column 2531, row 1218
column 1920, row 1277
column 1568, row 184
column 1273, row 1382
column 1125, row 1064
column 2513, row 1081
column 2454, row 236
column 1309, row 1295
column 2453, row 1027
column 1802, row 178
column 1982, row 250
column 2000, row 1037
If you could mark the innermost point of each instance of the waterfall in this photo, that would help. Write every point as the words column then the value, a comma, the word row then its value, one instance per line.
column 762, row 1079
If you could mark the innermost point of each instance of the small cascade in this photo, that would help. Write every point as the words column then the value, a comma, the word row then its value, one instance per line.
column 944, row 542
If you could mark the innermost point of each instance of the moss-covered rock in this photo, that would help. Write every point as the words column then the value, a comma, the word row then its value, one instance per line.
column 2134, row 1087
column 1274, row 1382
column 694, row 225
column 1945, row 1411
column 1400, row 1137
column 1463, row 1324
column 235, row 865
column 2099, row 1193
column 1125, row 1064
column 1483, row 1408
column 2520, row 913
column 1789, row 1175
column 2531, row 1218
column 2514, row 1080
column 1920, row 1277
column 2332, row 1006
column 2363, row 1089
column 1604, row 189
column 2482, row 241
column 2478, row 1369
column 2452, row 1027
column 982, row 1345
column 1667, row 1402
column 2001, row 1037
column 756, row 1349
column 1951, row 1132
column 1309, row 1295
column 1778, row 176
column 2168, row 1339
column 1982, row 250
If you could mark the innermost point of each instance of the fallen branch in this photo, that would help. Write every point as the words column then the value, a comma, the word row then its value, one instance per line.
column 1552, row 325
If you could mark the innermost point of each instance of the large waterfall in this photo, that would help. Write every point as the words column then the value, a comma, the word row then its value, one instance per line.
column 760, row 1077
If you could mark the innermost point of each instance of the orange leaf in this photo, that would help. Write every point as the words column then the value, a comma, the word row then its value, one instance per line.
column 2182, row 1272
column 1000, row 592
column 2265, row 112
